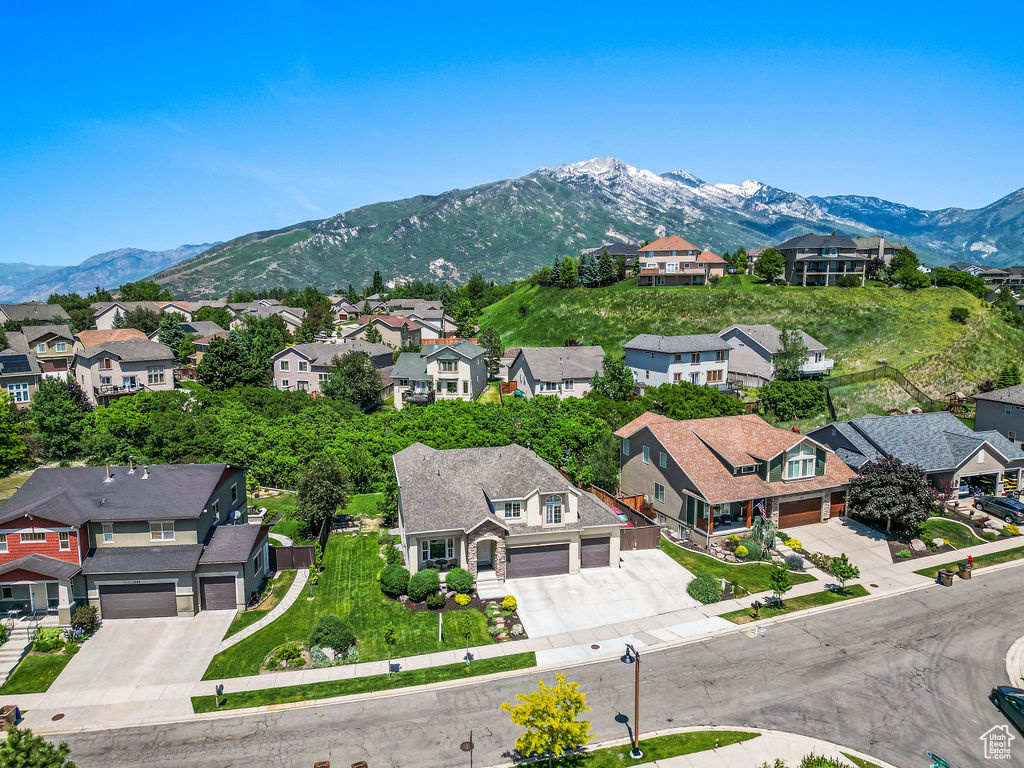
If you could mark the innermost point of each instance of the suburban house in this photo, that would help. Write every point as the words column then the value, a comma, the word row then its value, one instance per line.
column 753, row 254
column 133, row 541
column 115, row 368
column 51, row 345
column 822, row 259
column 343, row 309
column 714, row 475
column 501, row 511
column 33, row 312
column 19, row 377
column 626, row 251
column 428, row 315
column 202, row 344
column 1002, row 411
column 395, row 330
column 292, row 316
column 105, row 313
column 698, row 359
column 440, row 372
column 752, row 358
column 303, row 367
column 559, row 371
column 972, row 462
column 876, row 247
column 201, row 327
column 970, row 269
column 674, row 261
column 86, row 339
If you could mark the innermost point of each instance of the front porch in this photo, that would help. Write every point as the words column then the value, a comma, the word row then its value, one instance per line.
column 726, row 519
column 481, row 552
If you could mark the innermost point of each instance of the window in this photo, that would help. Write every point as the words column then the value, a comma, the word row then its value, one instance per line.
column 3, row 542
column 435, row 549
column 695, row 358
column 154, row 374
column 695, row 378
column 625, row 446
column 800, row 462
column 62, row 346
column 18, row 392
column 448, row 366
column 676, row 377
column 41, row 347
column 32, row 536
column 567, row 384
column 659, row 492
column 322, row 376
column 285, row 365
column 548, row 386
column 662, row 519
column 216, row 508
column 303, row 366
column 715, row 376
column 675, row 358
column 302, row 385
column 129, row 382
column 513, row 509
column 553, row 510
column 6, row 593
column 257, row 561
column 64, row 540
column 234, row 492
column 1012, row 436
column 452, row 387
column 647, row 455
column 104, row 381
column 720, row 356
column 108, row 533
column 647, row 374
column 106, row 364
column 161, row 531
column 465, row 387
column 662, row 459
column 284, row 383
column 746, row 470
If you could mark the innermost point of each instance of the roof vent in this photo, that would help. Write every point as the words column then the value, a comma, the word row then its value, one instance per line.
column 145, row 472
column 131, row 465
column 110, row 477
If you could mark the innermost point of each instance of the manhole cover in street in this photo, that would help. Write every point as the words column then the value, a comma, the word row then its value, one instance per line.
column 828, row 645
column 466, row 746
column 595, row 646
column 874, row 585
column 58, row 716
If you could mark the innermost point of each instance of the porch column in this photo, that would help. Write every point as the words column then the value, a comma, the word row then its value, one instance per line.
column 65, row 602
column 750, row 512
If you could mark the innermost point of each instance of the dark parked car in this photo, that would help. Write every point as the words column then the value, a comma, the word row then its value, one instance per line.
column 1011, row 701
column 1011, row 510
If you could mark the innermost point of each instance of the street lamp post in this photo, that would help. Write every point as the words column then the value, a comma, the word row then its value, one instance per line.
column 636, row 754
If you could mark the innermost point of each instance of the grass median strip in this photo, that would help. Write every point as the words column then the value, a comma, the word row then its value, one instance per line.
column 860, row 762
column 793, row 604
column 657, row 748
column 981, row 561
column 382, row 682
column 37, row 671
column 752, row 577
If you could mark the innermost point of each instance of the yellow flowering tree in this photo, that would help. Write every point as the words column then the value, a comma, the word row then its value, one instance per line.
column 548, row 717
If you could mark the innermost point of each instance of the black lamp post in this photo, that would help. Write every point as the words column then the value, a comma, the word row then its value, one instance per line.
column 632, row 652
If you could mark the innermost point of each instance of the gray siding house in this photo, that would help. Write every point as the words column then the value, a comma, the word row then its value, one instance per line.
column 698, row 359
column 559, row 371
column 440, row 372
column 753, row 350
column 116, row 368
column 304, row 367
column 1002, row 411
column 822, row 259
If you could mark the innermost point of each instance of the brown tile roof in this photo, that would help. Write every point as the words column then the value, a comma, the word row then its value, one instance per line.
column 710, row 257
column 702, row 446
column 392, row 321
column 670, row 243
column 92, row 338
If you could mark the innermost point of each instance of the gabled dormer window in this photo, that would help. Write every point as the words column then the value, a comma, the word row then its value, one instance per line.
column 513, row 509
column 553, row 510
column 800, row 462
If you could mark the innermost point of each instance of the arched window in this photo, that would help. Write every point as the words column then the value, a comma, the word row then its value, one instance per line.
column 553, row 510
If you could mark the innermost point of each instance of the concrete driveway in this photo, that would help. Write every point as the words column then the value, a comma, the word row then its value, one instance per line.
column 648, row 583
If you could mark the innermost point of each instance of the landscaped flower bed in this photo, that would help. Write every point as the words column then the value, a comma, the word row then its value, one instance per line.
column 287, row 656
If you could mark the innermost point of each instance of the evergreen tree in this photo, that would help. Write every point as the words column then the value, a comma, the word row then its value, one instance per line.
column 620, row 267
column 569, row 275
column 185, row 348
column 118, row 323
column 366, row 308
column 22, row 748
column 606, row 269
column 351, row 294
column 589, row 271
column 1009, row 376
column 556, row 271
column 378, row 282
column 57, row 420
column 12, row 444
column 372, row 334
column 739, row 260
column 168, row 330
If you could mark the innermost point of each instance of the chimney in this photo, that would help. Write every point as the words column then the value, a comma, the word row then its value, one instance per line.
column 145, row 472
column 109, row 478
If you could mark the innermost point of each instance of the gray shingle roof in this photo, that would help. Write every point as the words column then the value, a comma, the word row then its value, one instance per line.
column 78, row 494
column 675, row 345
column 811, row 240
column 231, row 543
column 164, row 557
column 24, row 312
column 1012, row 395
column 466, row 349
column 43, row 565
column 202, row 327
column 409, row 365
column 451, row 489
column 323, row 354
column 413, row 365
column 34, row 332
column 557, row 363
column 132, row 350
column 770, row 337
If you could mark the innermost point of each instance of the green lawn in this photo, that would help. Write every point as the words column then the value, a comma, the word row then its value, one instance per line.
column 348, row 587
column 657, row 748
column 11, row 483
column 362, row 505
column 981, row 561
column 959, row 535
column 278, row 590
column 37, row 671
column 859, row 761
column 753, row 577
column 402, row 679
column 860, row 326
column 793, row 604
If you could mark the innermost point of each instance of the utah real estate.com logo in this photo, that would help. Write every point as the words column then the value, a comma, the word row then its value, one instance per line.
column 997, row 742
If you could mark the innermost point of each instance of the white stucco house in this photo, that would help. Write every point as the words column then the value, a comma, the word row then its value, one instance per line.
column 696, row 359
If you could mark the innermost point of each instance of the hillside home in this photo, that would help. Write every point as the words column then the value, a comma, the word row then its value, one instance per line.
column 105, row 313
column 86, row 339
column 134, row 541
column 292, row 316
column 674, row 261
column 876, row 247
column 712, row 476
column 752, row 358
column 19, row 377
column 697, row 359
column 947, row 449
column 113, row 369
column 502, row 513
column 343, row 309
column 559, row 371
column 428, row 315
column 440, row 372
column 626, row 251
column 1002, row 411
column 304, row 367
column 821, row 259
column 395, row 331
column 52, row 346
column 202, row 344
column 33, row 312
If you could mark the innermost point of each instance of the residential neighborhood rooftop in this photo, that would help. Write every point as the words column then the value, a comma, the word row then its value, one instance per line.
column 558, row 363
column 770, row 337
column 132, row 350
column 697, row 342
column 1010, row 395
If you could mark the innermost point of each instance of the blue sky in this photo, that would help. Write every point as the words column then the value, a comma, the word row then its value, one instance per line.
column 154, row 124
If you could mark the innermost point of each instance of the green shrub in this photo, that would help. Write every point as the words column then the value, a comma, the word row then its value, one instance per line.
column 86, row 618
column 435, row 600
column 792, row 400
column 330, row 631
column 422, row 583
column 734, row 538
column 48, row 639
column 289, row 654
column 903, row 553
column 459, row 580
column 960, row 315
column 394, row 580
column 462, row 599
column 848, row 281
column 741, row 551
column 705, row 588
column 393, row 556
column 509, row 603
column 3, row 634
column 753, row 549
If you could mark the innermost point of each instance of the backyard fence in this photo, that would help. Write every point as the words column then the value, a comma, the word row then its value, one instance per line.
column 926, row 401
column 647, row 537
column 299, row 555
column 645, row 533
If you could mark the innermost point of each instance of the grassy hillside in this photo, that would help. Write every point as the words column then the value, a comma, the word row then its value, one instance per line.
column 860, row 325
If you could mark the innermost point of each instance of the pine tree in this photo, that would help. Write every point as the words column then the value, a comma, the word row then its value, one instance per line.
column 589, row 272
column 118, row 320
column 570, row 277
column 1009, row 376
column 606, row 269
column 556, row 271
column 373, row 334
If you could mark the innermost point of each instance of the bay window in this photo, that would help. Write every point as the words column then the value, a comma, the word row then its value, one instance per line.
column 436, row 549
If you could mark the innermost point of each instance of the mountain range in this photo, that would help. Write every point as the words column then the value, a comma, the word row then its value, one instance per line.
column 106, row 270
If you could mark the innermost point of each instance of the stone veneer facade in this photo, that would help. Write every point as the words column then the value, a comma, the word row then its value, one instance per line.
column 495, row 533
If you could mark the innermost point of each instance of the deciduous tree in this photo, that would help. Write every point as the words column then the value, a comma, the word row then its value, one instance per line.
column 57, row 419
column 323, row 487
column 390, row 636
column 12, row 444
column 771, row 264
column 141, row 318
column 549, row 718
column 144, row 290
column 218, row 315
column 791, row 355
column 353, row 377
column 490, row 340
column 843, row 570
column 225, row 364
column 780, row 581
column 892, row 493
column 616, row 381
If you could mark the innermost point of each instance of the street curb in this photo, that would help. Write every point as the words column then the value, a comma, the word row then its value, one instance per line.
column 692, row 728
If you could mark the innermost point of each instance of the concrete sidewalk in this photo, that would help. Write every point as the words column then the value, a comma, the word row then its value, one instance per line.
column 286, row 602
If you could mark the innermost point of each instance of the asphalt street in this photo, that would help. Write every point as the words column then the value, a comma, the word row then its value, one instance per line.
column 892, row 678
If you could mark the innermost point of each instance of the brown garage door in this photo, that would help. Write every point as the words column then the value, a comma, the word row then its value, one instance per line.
column 137, row 601
column 595, row 552
column 803, row 512
column 538, row 560
column 218, row 593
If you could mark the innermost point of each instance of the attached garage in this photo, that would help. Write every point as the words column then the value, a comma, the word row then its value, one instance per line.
column 803, row 512
column 538, row 560
column 595, row 553
column 137, row 601
column 217, row 593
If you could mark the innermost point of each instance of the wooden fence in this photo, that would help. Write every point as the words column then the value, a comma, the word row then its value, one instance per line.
column 645, row 533
column 298, row 555
column 647, row 537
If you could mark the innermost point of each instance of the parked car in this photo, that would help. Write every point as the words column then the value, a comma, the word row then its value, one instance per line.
column 1010, row 510
column 1011, row 701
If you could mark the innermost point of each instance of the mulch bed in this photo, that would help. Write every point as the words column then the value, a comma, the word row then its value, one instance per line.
column 899, row 546
column 474, row 602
